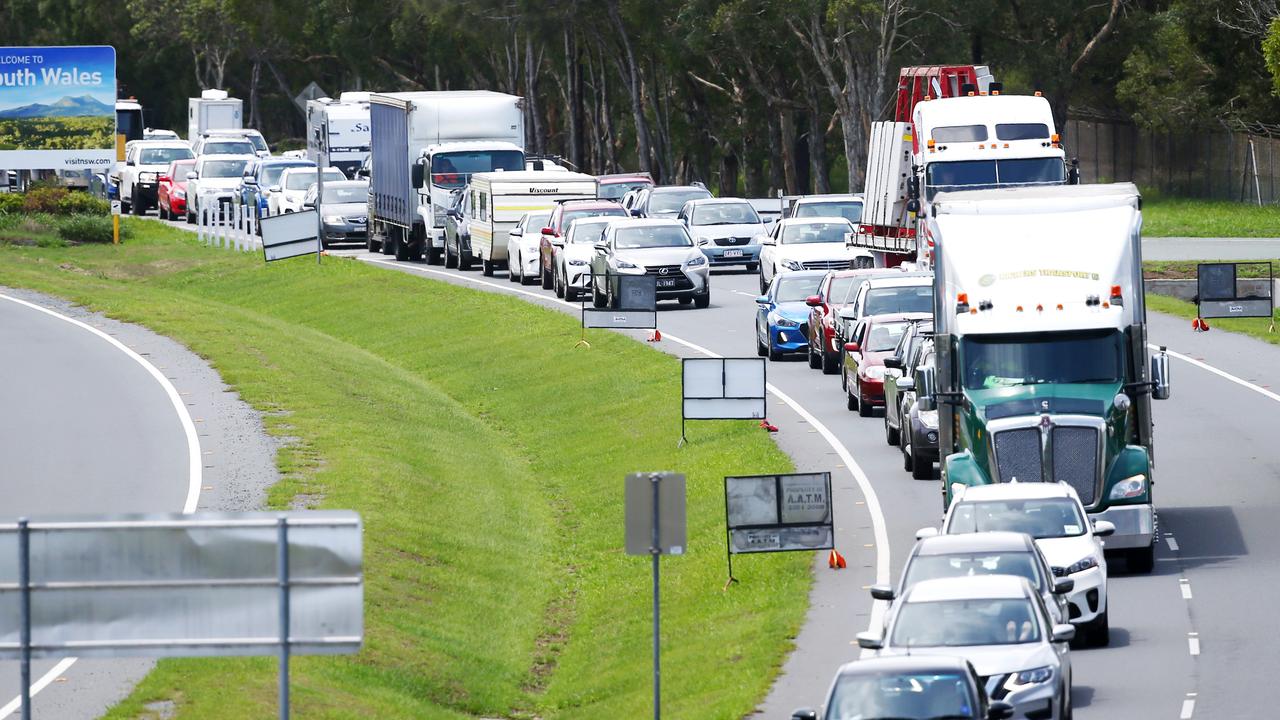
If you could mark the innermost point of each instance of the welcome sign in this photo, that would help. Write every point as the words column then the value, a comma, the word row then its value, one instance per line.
column 57, row 108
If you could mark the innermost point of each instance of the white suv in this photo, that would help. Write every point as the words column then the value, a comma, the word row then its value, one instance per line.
column 144, row 162
column 817, row 243
column 1050, row 513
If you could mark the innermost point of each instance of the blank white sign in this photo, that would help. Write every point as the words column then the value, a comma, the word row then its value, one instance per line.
column 289, row 235
column 724, row 388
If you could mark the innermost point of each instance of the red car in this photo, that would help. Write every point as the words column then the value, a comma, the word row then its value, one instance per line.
column 837, row 291
column 613, row 187
column 171, row 194
column 553, row 234
column 874, row 338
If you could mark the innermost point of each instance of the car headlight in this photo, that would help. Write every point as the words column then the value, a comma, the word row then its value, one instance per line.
column 624, row 265
column 146, row 177
column 875, row 372
column 1086, row 563
column 792, row 264
column 698, row 261
column 1130, row 487
column 780, row 321
column 929, row 418
column 333, row 219
column 577, row 262
column 1034, row 676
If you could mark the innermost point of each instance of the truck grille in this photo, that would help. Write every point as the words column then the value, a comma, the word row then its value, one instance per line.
column 1075, row 460
column 1018, row 455
column 733, row 240
column 828, row 265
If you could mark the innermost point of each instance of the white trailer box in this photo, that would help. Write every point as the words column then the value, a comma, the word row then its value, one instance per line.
column 499, row 199
column 213, row 110
column 341, row 127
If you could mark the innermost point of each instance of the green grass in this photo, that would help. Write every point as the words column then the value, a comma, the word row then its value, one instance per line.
column 1175, row 217
column 1187, row 269
column 486, row 457
column 1253, row 327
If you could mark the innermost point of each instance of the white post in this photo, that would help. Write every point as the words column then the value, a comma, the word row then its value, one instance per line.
column 200, row 224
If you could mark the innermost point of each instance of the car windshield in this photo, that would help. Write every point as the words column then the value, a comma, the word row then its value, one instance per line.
column 843, row 289
column 570, row 215
column 653, row 236
column 615, row 190
column 346, row 193
column 670, row 201
column 453, row 170
column 991, row 361
column 227, row 147
column 1038, row 517
column 534, row 222
column 932, row 567
column 902, row 696
column 850, row 210
column 163, row 156
column 259, row 144
column 271, row 174
column 808, row 233
column 796, row 289
column 223, row 168
column 725, row 214
column 960, row 623
column 979, row 174
column 885, row 336
column 893, row 300
column 301, row 180
column 178, row 171
column 586, row 231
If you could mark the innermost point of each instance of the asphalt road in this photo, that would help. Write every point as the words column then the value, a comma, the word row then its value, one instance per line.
column 1192, row 639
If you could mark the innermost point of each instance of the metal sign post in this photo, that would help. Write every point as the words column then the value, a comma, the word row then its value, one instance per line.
column 655, row 525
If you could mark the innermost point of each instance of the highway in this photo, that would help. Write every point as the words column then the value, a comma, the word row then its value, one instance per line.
column 88, row 426
column 1192, row 639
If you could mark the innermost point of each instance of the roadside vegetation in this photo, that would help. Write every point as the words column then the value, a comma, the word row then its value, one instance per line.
column 49, row 215
column 1180, row 217
column 486, row 456
column 1253, row 327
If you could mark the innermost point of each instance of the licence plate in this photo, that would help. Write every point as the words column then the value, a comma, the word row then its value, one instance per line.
column 732, row 253
column 666, row 282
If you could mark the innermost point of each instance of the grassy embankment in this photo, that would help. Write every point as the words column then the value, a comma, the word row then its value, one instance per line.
column 486, row 457
column 1176, row 217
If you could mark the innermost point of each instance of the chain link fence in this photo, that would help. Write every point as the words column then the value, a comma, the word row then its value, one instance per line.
column 1224, row 163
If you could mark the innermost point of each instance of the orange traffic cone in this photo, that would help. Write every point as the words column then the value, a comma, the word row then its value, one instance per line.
column 764, row 424
column 655, row 336
column 835, row 560
column 1200, row 325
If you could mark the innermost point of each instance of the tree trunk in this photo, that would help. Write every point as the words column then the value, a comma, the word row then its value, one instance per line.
column 728, row 173
column 573, row 78
column 787, row 130
column 820, row 178
column 631, row 75
column 254, row 75
column 534, row 128
column 777, row 178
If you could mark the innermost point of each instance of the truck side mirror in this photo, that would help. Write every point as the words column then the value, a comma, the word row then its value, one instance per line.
column 1073, row 172
column 1160, row 375
column 418, row 174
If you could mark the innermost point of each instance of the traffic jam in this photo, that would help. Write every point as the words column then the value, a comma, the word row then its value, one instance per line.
column 977, row 305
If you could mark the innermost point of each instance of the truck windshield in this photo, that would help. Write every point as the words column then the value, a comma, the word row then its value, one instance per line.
column 1092, row 356
column 982, row 174
column 453, row 170
column 850, row 210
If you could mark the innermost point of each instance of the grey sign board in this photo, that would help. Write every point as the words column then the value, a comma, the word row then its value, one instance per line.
column 769, row 513
column 184, row 585
column 1222, row 293
column 639, row 497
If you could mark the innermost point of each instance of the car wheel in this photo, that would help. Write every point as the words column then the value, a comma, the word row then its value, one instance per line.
column 435, row 255
column 1100, row 631
column 864, row 407
column 597, row 300
column 764, row 286
column 850, row 400
column 486, row 267
column 890, row 434
column 401, row 248
column 557, row 283
column 702, row 301
column 908, row 460
column 548, row 282
column 464, row 258
column 774, row 353
column 513, row 262
column 762, row 350
column 135, row 203
column 829, row 363
column 815, row 361
column 752, row 267
column 372, row 245
column 450, row 260
column 921, row 467
column 1141, row 560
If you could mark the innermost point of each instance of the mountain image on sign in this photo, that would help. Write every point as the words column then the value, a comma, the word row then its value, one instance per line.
column 71, row 123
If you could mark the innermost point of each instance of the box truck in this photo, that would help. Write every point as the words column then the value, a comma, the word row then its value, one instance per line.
column 341, row 127
column 213, row 110
column 426, row 147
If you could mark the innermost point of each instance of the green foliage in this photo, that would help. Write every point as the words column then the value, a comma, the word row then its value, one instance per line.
column 11, row 202
column 1174, row 217
column 1271, row 50
column 46, row 199
column 1166, row 81
column 87, row 229
column 56, row 133
column 82, row 203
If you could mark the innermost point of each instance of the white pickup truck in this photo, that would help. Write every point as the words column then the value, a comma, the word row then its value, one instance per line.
column 144, row 162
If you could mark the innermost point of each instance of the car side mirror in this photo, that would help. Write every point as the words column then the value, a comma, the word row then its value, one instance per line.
column 250, row 180
column 274, row 188
column 548, row 231
column 813, row 300
column 557, row 241
column 309, row 205
column 926, row 532
column 893, row 363
column 1104, row 528
column 883, row 592
column 516, row 232
column 419, row 175
column 870, row 641
column 762, row 300
column 999, row 710
column 906, row 383
column 852, row 347
column 1160, row 375
column 130, row 163
column 162, row 178
column 768, row 241
column 635, row 212
column 1062, row 586
column 602, row 247
column 1064, row 632
column 804, row 714
column 191, row 176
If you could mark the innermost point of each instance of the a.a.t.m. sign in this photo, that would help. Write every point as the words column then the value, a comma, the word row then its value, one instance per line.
column 57, row 107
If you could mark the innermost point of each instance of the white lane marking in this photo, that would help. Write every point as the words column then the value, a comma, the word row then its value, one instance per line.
column 1193, row 643
column 1188, row 707
column 1184, row 585
column 878, row 525
column 1221, row 373
column 193, row 453
column 1173, row 544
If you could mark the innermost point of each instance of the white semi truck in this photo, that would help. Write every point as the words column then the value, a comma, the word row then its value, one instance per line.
column 341, row 128
column 953, row 130
column 426, row 146
column 213, row 110
column 1043, row 372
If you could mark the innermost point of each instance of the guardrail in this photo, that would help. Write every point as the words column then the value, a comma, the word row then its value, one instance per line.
column 228, row 224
